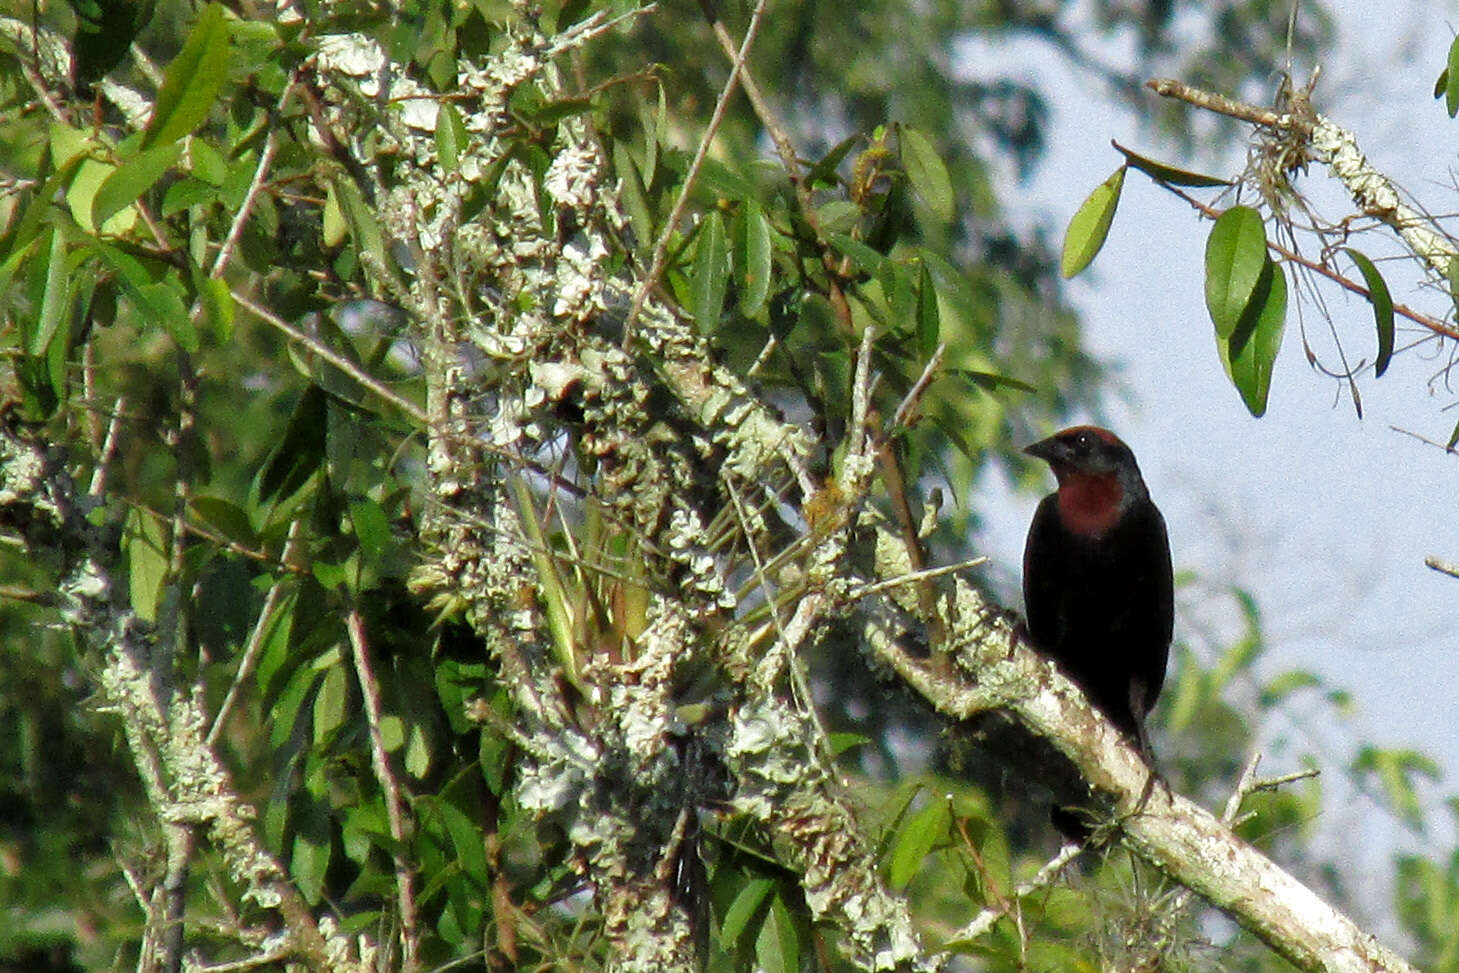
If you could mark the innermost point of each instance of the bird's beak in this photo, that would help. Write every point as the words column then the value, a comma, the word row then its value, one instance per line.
column 1047, row 450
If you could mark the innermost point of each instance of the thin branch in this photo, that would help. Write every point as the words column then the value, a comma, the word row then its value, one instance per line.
column 1451, row 568
column 255, row 187
column 983, row 922
column 914, row 394
column 1373, row 192
column 1433, row 324
column 886, row 584
column 254, row 649
column 333, row 357
column 1220, row 104
column 389, row 788
column 661, row 248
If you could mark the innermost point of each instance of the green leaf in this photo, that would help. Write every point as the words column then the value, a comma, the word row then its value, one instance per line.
column 823, row 173
column 466, row 839
column 635, row 197
column 372, row 528
column 161, row 303
column 82, row 191
column 915, row 840
column 128, row 182
column 360, row 217
column 330, row 704
column 927, row 174
column 751, row 257
column 1395, row 770
column 301, row 450
column 1161, row 172
column 418, row 753
column 56, row 300
column 1251, row 351
column 308, row 864
column 711, row 273
column 863, row 259
column 189, row 91
column 929, row 322
column 1454, row 280
column 218, row 306
column 1382, row 309
column 333, row 226
column 1451, row 88
column 145, row 545
column 1090, row 226
column 746, row 903
column 1184, row 699
column 105, row 30
column 777, row 948
column 1235, row 258
column 206, row 162
column 842, row 742
column 185, row 194
column 284, row 714
column 450, row 136
column 226, row 519
column 1286, row 684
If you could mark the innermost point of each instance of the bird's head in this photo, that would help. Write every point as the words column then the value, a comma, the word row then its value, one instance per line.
column 1098, row 477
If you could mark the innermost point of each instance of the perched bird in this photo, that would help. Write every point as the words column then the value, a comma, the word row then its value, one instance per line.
column 1097, row 582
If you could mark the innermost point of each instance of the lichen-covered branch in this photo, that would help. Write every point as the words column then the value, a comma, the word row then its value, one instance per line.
column 996, row 669
column 166, row 730
column 1307, row 134
column 606, row 753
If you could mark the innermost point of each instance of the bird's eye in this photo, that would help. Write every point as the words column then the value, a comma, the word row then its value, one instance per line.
column 1084, row 441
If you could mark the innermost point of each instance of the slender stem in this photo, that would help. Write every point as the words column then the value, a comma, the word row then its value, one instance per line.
column 661, row 248
column 389, row 787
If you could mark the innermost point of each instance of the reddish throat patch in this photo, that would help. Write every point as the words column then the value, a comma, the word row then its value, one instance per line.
column 1089, row 505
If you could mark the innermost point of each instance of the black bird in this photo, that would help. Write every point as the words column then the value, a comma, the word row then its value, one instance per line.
column 1097, row 583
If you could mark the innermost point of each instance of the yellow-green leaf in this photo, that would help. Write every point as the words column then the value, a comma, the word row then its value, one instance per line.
column 450, row 136
column 927, row 174
column 711, row 273
column 1451, row 88
column 190, row 88
column 929, row 318
column 752, row 257
column 777, row 948
column 131, row 179
column 56, row 301
column 1090, row 226
column 915, row 840
column 145, row 545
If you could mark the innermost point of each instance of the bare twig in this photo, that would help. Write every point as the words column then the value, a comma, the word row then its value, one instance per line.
column 1373, row 192
column 334, row 358
column 911, row 577
column 1451, row 568
column 1220, row 104
column 983, row 921
column 389, row 788
column 254, row 648
column 1429, row 322
column 914, row 394
column 661, row 248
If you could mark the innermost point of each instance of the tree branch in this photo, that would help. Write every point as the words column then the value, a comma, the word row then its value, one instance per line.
column 1188, row 843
